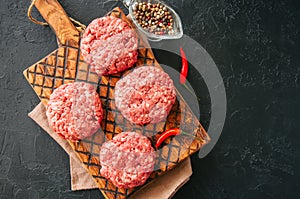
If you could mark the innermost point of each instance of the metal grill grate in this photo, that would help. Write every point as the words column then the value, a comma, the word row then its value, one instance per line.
column 66, row 65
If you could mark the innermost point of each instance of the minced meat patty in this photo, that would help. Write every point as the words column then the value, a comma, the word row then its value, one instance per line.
column 74, row 111
column 109, row 45
column 146, row 95
column 127, row 160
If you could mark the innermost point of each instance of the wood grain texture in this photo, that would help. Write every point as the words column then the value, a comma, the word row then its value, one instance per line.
column 59, row 21
column 66, row 65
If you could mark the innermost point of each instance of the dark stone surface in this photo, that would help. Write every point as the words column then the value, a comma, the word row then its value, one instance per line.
column 255, row 45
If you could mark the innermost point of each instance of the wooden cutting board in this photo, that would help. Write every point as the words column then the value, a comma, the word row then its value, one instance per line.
column 66, row 65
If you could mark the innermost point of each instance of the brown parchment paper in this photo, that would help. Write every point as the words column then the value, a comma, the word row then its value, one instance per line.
column 162, row 187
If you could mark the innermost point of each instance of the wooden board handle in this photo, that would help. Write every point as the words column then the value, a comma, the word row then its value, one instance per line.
column 57, row 18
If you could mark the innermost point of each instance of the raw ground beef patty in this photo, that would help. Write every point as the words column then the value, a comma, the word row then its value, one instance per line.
column 109, row 45
column 127, row 160
column 145, row 95
column 74, row 111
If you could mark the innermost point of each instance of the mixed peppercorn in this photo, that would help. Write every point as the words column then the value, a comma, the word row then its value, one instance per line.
column 154, row 18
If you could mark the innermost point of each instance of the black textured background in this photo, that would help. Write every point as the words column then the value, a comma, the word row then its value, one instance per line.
column 255, row 44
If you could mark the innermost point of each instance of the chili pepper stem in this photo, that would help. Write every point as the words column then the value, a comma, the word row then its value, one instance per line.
column 186, row 86
column 191, row 135
column 186, row 133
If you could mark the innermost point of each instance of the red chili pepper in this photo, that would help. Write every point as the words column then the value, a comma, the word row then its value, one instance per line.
column 184, row 67
column 184, row 72
column 171, row 132
column 165, row 135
